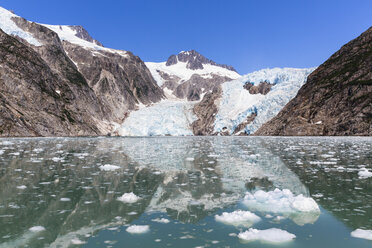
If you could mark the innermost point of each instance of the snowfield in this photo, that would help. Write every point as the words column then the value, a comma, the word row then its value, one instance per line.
column 180, row 70
column 237, row 103
column 10, row 28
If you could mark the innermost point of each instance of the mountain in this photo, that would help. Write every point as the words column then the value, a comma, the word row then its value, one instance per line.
column 336, row 99
column 190, row 75
column 59, row 81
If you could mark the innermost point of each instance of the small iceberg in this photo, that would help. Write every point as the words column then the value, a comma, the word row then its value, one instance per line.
column 161, row 220
column 138, row 229
column 109, row 167
column 362, row 234
column 272, row 235
column 364, row 173
column 238, row 218
column 128, row 198
column 37, row 229
column 300, row 209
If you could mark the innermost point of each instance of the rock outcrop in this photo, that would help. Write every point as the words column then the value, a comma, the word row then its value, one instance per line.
column 336, row 99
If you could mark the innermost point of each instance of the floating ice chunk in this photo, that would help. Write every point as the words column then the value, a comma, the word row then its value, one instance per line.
column 138, row 229
column 364, row 173
column 128, row 198
column 109, row 167
column 22, row 187
column 300, row 209
column 362, row 234
column 37, row 229
column 280, row 201
column 161, row 220
column 189, row 159
column 238, row 218
column 273, row 235
column 65, row 199
column 77, row 241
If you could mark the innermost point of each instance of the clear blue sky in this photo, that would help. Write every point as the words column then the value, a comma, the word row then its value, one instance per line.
column 247, row 34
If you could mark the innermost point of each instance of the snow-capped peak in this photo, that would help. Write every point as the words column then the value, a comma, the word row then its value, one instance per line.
column 8, row 25
column 194, row 60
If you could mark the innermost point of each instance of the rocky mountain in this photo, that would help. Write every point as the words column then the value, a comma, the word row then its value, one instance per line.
column 190, row 75
column 336, row 99
column 59, row 81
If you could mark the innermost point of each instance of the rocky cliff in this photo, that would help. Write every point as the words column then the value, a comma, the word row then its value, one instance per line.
column 59, row 81
column 336, row 99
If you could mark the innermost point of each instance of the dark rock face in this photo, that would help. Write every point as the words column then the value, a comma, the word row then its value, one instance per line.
column 262, row 88
column 194, row 60
column 196, row 85
column 336, row 99
column 206, row 111
column 62, row 89
column 30, row 102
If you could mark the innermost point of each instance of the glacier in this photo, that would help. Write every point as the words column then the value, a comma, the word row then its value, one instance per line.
column 237, row 103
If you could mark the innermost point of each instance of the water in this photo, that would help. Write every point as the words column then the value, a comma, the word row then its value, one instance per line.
column 57, row 183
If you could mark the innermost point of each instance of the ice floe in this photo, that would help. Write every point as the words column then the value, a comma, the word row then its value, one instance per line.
column 161, row 220
column 364, row 173
column 272, row 235
column 129, row 198
column 138, row 229
column 300, row 209
column 37, row 229
column 238, row 218
column 362, row 234
column 109, row 167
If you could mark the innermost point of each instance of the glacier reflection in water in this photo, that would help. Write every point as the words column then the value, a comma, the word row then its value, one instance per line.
column 58, row 184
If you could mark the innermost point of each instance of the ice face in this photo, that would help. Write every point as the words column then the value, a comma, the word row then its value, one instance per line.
column 237, row 103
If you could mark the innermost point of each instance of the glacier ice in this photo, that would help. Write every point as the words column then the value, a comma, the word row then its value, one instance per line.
column 237, row 103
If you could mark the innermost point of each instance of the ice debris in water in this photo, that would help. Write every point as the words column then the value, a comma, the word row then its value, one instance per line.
column 362, row 234
column 22, row 187
column 109, row 167
column 280, row 201
column 138, row 229
column 77, row 241
column 273, row 235
column 238, row 218
column 161, row 220
column 37, row 229
column 129, row 198
column 364, row 173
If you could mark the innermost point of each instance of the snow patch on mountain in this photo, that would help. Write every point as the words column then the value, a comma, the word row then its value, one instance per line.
column 10, row 28
column 237, row 103
column 180, row 70
column 168, row 117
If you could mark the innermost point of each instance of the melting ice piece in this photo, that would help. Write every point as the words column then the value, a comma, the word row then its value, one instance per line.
column 300, row 209
column 238, row 218
column 109, row 167
column 128, row 198
column 77, row 241
column 273, row 235
column 362, row 234
column 37, row 229
column 364, row 173
column 138, row 229
column 280, row 201
column 161, row 220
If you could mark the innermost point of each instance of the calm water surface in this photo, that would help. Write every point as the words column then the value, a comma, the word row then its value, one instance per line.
column 57, row 184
